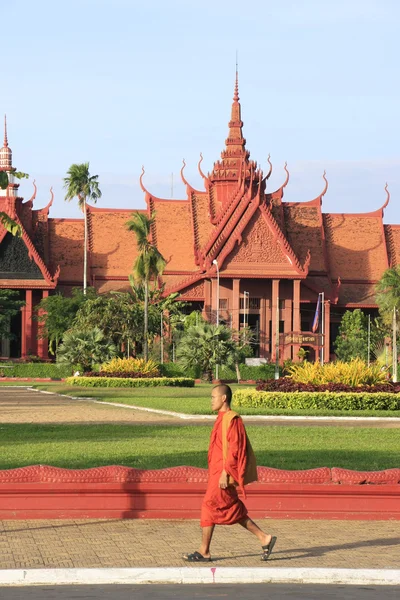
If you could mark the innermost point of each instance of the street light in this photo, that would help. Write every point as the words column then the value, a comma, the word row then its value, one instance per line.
column 246, row 308
column 215, row 262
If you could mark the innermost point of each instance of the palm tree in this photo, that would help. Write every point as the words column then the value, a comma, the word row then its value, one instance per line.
column 79, row 183
column 388, row 293
column 203, row 346
column 148, row 265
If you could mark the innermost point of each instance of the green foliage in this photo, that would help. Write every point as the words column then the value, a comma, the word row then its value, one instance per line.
column 10, row 225
column 352, row 340
column 80, row 184
column 129, row 382
column 353, row 373
column 388, row 293
column 10, row 305
column 56, row 314
column 193, row 319
column 177, row 370
column 116, row 314
column 204, row 346
column 317, row 400
column 133, row 365
column 148, row 265
column 85, row 348
column 36, row 370
column 249, row 373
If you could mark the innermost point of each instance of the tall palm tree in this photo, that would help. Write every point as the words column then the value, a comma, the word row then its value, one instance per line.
column 388, row 293
column 148, row 265
column 80, row 184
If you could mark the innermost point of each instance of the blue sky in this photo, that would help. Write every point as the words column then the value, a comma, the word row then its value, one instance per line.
column 123, row 83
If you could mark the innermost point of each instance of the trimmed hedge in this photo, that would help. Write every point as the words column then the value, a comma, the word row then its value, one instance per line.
column 246, row 372
column 286, row 384
column 36, row 370
column 316, row 400
column 130, row 375
column 128, row 382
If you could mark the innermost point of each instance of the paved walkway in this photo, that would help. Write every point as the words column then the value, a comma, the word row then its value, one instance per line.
column 159, row 543
column 24, row 405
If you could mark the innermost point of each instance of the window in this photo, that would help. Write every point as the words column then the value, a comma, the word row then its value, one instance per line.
column 281, row 304
column 223, row 304
column 251, row 303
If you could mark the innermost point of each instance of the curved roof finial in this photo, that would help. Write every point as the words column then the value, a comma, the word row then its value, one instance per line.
column 141, row 181
column 326, row 184
column 32, row 198
column 5, row 132
column 287, row 175
column 270, row 167
column 199, row 166
column 51, row 198
column 387, row 197
column 182, row 175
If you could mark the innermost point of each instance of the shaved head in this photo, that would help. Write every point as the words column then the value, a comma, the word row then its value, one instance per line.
column 224, row 390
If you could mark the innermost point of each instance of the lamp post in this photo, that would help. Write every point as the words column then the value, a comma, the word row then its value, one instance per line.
column 215, row 262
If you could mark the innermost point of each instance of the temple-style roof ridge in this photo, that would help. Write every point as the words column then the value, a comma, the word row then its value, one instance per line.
column 33, row 254
column 288, row 250
column 184, row 283
column 222, row 233
column 156, row 198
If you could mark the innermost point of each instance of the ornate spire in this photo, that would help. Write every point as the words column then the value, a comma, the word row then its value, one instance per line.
column 235, row 137
column 5, row 151
column 5, row 132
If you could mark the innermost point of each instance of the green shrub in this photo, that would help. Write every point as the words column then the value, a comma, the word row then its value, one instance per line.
column 177, row 370
column 126, row 365
column 121, row 382
column 353, row 373
column 36, row 370
column 248, row 373
column 315, row 400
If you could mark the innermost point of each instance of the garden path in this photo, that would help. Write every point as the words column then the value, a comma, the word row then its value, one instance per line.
column 24, row 405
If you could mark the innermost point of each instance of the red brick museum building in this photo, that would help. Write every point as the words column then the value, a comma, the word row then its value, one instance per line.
column 271, row 258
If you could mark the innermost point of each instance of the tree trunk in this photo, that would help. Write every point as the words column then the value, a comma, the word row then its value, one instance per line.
column 237, row 372
column 146, row 320
column 85, row 250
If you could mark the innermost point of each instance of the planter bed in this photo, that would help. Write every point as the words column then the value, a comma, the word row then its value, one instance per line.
column 45, row 492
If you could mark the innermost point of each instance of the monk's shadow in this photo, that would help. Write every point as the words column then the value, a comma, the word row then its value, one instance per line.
column 315, row 551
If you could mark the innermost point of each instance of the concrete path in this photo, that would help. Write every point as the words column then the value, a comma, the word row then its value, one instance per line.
column 97, row 543
column 27, row 405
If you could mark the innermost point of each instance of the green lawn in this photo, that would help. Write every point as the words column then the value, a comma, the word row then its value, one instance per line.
column 152, row 447
column 190, row 400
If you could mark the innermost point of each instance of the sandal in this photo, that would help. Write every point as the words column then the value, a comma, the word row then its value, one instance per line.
column 268, row 548
column 195, row 557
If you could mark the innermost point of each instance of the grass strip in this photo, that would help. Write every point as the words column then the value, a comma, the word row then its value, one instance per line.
column 155, row 447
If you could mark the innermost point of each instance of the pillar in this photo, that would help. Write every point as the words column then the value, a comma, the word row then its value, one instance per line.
column 287, row 317
column 263, row 328
column 235, row 303
column 274, row 320
column 26, row 335
column 207, row 300
column 327, row 327
column 296, row 314
column 43, row 343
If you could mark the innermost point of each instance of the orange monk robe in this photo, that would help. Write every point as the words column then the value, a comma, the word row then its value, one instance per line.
column 223, row 507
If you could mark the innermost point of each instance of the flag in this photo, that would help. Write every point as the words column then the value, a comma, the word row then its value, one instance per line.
column 316, row 316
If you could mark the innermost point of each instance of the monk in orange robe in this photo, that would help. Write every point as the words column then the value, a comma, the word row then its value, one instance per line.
column 228, row 466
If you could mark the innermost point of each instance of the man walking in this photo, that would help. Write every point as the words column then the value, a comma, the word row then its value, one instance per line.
column 231, row 464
